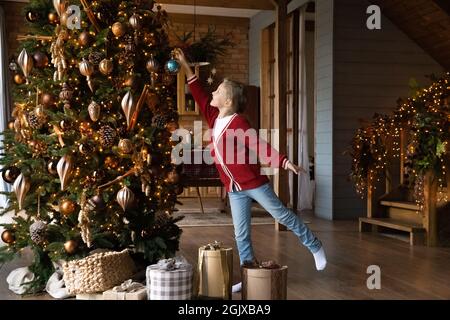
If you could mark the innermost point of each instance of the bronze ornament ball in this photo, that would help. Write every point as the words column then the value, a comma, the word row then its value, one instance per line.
column 8, row 236
column 32, row 16
column 10, row 174
column 84, row 38
column 40, row 59
column 67, row 207
column 47, row 99
column 53, row 18
column 19, row 79
column 51, row 166
column 118, row 29
column 70, row 246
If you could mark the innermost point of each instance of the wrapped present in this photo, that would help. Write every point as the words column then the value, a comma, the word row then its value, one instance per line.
column 264, row 281
column 215, row 271
column 170, row 279
column 128, row 290
column 89, row 296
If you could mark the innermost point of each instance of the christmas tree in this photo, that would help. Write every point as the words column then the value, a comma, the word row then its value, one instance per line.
column 88, row 152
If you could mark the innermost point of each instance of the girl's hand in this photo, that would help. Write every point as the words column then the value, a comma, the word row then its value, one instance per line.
column 294, row 168
column 179, row 55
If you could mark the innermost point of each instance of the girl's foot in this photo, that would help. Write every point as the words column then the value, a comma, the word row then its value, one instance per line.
column 320, row 259
column 237, row 288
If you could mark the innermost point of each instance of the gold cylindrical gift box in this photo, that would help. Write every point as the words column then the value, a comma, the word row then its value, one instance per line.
column 215, row 272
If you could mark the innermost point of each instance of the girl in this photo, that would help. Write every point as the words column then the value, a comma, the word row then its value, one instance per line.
column 233, row 138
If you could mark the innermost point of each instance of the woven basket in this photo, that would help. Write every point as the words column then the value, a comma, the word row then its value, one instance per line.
column 98, row 272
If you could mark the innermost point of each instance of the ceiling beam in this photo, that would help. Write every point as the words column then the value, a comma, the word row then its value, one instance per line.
column 238, row 4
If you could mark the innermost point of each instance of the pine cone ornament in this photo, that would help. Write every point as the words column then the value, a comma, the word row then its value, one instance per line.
column 95, row 57
column 107, row 136
column 37, row 231
column 34, row 120
column 159, row 121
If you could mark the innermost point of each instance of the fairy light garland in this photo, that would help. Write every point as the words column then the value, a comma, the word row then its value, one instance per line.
column 426, row 121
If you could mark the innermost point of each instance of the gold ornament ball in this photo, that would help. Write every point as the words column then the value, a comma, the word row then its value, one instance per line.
column 70, row 246
column 118, row 29
column 8, row 236
column 105, row 66
column 53, row 17
column 11, row 125
column 19, row 79
column 84, row 38
column 47, row 100
column 125, row 146
column 67, row 207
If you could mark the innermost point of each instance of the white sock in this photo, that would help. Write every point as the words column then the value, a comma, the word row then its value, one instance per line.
column 320, row 259
column 237, row 288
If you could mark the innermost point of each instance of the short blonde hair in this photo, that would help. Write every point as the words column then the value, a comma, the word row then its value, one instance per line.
column 235, row 92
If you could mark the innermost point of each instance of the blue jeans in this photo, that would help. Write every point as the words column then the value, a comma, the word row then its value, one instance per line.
column 241, row 201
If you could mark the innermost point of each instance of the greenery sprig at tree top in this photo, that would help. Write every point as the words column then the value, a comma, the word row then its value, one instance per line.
column 88, row 152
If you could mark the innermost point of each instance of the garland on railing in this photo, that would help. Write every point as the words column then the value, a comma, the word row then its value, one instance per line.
column 426, row 119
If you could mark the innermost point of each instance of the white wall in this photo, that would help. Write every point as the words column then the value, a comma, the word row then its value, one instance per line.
column 324, row 109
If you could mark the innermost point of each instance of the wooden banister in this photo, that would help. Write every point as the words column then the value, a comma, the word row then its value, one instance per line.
column 447, row 174
column 388, row 180
column 402, row 155
column 369, row 196
column 429, row 208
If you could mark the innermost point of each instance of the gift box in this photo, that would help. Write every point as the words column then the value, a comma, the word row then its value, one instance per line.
column 128, row 290
column 264, row 281
column 170, row 279
column 215, row 271
column 89, row 296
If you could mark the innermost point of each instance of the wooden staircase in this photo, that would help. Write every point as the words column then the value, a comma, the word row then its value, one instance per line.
column 396, row 209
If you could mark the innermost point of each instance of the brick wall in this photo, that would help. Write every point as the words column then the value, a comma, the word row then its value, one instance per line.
column 15, row 23
column 235, row 64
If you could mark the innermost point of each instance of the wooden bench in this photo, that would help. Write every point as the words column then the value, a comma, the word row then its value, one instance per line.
column 416, row 232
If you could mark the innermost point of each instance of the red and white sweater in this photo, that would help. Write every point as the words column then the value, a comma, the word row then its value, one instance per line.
column 242, row 168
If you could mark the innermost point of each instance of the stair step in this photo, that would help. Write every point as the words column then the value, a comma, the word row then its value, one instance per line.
column 401, row 204
column 393, row 224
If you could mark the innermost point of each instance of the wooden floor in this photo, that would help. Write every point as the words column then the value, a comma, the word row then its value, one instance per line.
column 406, row 272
